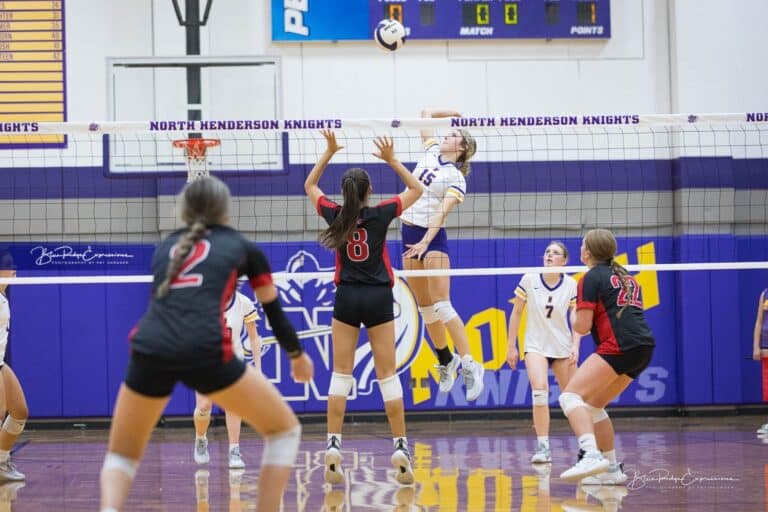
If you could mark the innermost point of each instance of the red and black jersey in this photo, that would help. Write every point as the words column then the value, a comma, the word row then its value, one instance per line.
column 600, row 290
column 189, row 322
column 364, row 259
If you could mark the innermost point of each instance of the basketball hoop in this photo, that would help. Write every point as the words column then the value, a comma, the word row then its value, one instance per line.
column 194, row 152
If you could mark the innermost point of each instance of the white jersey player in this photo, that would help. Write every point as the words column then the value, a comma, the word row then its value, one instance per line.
column 442, row 172
column 240, row 314
column 11, row 393
column 548, row 340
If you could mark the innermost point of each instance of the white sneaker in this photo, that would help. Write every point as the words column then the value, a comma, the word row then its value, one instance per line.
column 333, row 472
column 473, row 380
column 447, row 373
column 590, row 464
column 201, row 450
column 614, row 476
column 235, row 459
column 763, row 431
column 543, row 454
column 9, row 473
column 401, row 460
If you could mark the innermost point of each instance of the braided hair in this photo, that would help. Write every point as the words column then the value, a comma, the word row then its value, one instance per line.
column 204, row 202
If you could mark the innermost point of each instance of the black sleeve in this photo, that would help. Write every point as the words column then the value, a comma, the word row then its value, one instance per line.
column 256, row 267
column 588, row 290
column 283, row 329
column 327, row 209
column 390, row 209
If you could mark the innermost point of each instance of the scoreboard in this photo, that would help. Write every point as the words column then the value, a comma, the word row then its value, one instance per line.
column 31, row 71
column 344, row 20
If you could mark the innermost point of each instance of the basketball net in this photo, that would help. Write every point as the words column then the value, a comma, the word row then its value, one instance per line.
column 194, row 153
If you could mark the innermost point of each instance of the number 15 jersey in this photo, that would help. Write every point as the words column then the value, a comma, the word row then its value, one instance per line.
column 364, row 259
column 439, row 178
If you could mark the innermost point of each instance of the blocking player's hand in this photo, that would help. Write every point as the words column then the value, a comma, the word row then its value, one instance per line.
column 512, row 357
column 386, row 148
column 302, row 369
column 330, row 140
column 756, row 354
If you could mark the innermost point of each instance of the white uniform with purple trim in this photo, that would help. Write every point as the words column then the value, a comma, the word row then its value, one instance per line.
column 238, row 313
column 547, row 331
column 5, row 326
column 438, row 178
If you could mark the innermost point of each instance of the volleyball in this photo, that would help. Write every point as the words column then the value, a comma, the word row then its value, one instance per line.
column 389, row 35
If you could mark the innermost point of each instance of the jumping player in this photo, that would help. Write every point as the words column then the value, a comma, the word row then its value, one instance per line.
column 13, row 404
column 239, row 314
column 183, row 337
column 442, row 173
column 609, row 304
column 364, row 282
column 548, row 339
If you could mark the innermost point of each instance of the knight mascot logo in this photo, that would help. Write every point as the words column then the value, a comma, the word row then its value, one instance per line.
column 309, row 305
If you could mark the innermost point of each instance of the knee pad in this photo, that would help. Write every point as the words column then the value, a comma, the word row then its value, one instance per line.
column 428, row 314
column 391, row 388
column 123, row 464
column 598, row 415
column 14, row 426
column 280, row 449
column 444, row 310
column 201, row 413
column 540, row 397
column 570, row 401
column 341, row 384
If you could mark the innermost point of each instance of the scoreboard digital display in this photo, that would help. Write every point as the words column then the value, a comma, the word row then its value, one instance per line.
column 347, row 20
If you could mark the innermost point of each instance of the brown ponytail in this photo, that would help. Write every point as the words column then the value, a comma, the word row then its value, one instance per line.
column 355, row 186
column 601, row 244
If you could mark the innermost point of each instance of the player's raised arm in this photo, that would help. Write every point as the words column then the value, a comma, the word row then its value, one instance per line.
column 427, row 134
column 311, row 183
column 387, row 153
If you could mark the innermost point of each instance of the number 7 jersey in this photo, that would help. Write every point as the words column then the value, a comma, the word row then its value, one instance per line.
column 439, row 178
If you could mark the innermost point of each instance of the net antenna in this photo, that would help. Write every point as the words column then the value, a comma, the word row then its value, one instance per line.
column 195, row 155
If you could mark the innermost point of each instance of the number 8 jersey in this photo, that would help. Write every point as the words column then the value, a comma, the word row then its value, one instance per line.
column 438, row 178
column 364, row 258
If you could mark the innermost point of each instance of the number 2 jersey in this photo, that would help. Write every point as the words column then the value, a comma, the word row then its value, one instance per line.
column 189, row 323
column 600, row 290
column 438, row 178
column 364, row 259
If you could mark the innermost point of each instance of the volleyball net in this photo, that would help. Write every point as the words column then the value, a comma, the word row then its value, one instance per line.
column 82, row 206
column 534, row 178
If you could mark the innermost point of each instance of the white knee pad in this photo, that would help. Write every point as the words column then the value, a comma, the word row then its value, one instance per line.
column 201, row 413
column 341, row 384
column 14, row 426
column 391, row 388
column 540, row 397
column 598, row 415
column 570, row 401
column 444, row 310
column 428, row 314
column 280, row 449
column 123, row 464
